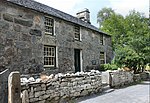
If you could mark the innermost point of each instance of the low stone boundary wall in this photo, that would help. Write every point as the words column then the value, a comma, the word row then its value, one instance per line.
column 137, row 78
column 141, row 76
column 120, row 78
column 145, row 75
column 62, row 88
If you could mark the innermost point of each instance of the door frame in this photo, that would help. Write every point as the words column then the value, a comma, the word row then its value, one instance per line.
column 81, row 60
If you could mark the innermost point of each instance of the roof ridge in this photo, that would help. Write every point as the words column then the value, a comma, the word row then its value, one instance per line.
column 32, row 4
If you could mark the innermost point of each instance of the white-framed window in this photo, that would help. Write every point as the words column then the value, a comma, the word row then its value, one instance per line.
column 77, row 33
column 102, row 58
column 49, row 25
column 101, row 39
column 49, row 56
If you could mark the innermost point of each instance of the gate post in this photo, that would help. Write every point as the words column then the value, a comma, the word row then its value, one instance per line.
column 110, row 79
column 14, row 87
column 4, row 86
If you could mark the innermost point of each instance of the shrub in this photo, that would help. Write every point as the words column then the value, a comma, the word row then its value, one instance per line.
column 108, row 67
column 102, row 68
column 114, row 67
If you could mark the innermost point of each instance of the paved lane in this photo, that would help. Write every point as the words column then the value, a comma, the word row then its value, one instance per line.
column 139, row 93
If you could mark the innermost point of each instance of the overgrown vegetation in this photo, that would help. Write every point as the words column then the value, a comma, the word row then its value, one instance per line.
column 130, row 37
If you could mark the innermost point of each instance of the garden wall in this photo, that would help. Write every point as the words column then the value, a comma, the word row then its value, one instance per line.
column 141, row 76
column 62, row 88
column 120, row 78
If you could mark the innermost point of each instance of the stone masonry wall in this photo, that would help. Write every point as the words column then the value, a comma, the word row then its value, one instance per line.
column 20, row 36
column 62, row 88
column 120, row 78
column 22, row 40
column 142, row 76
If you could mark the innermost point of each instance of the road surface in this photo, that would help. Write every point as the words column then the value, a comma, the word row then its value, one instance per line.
column 139, row 93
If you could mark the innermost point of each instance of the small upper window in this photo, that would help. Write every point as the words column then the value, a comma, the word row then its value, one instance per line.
column 49, row 26
column 101, row 39
column 77, row 33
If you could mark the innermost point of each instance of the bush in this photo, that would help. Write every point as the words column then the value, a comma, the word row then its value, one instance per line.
column 108, row 67
column 114, row 67
column 102, row 68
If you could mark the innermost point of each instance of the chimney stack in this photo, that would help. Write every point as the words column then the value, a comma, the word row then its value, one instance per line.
column 84, row 15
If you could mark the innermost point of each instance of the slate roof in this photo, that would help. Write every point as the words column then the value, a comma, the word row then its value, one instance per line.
column 31, row 4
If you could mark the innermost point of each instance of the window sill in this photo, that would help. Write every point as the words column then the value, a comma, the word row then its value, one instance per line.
column 48, row 66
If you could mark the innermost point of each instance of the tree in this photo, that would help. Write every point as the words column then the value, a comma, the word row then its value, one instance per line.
column 114, row 26
column 130, row 37
column 104, row 14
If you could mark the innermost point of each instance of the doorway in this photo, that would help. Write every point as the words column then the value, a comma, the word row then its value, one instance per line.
column 77, row 61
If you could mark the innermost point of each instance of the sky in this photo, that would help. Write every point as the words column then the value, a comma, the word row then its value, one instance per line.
column 120, row 6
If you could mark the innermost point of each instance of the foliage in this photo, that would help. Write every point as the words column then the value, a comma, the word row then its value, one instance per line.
column 104, row 14
column 147, row 67
column 130, row 37
column 108, row 67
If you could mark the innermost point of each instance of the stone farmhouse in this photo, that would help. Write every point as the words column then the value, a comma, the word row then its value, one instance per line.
column 35, row 37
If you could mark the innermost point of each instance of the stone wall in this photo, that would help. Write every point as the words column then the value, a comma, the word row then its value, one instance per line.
column 4, row 86
column 20, row 33
column 120, row 78
column 142, row 76
column 62, row 88
column 22, row 39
